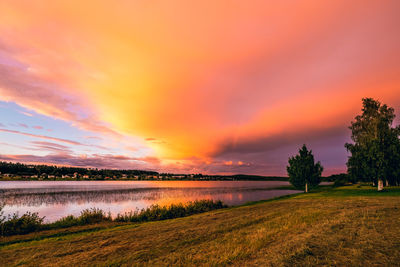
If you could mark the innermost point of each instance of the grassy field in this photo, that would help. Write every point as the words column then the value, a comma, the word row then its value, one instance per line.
column 344, row 226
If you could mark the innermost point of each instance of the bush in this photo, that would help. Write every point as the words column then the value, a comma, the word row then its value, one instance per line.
column 341, row 179
column 15, row 225
column 93, row 215
column 64, row 222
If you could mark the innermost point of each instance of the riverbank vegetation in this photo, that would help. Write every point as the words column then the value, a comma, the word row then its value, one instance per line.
column 31, row 222
column 344, row 226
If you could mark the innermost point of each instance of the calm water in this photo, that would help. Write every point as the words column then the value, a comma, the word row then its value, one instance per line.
column 56, row 199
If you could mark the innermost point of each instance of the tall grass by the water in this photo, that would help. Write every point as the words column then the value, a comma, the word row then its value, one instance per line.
column 13, row 225
column 87, row 216
column 157, row 213
column 32, row 222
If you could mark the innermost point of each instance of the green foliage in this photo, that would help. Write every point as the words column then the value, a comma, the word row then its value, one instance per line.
column 94, row 215
column 31, row 222
column 87, row 216
column 375, row 151
column 302, row 169
column 157, row 213
column 14, row 224
column 339, row 179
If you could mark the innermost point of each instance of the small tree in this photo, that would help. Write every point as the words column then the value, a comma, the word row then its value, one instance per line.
column 302, row 170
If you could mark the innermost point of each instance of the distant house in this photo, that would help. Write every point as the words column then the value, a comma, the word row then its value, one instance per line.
column 51, row 176
column 86, row 176
column 75, row 175
column 124, row 175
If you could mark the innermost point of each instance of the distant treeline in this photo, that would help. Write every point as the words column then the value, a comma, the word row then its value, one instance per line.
column 245, row 177
column 29, row 170
column 20, row 171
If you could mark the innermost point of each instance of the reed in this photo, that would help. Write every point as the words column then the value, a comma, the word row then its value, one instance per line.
column 32, row 222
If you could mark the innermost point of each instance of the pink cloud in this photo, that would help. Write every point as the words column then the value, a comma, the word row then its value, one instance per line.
column 49, row 146
column 23, row 125
column 71, row 142
column 21, row 85
column 26, row 113
column 93, row 161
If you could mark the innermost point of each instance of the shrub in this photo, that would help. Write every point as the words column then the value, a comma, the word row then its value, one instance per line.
column 341, row 179
column 64, row 222
column 14, row 225
column 93, row 215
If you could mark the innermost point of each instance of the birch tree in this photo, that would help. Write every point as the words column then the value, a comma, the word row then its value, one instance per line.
column 375, row 151
column 303, row 171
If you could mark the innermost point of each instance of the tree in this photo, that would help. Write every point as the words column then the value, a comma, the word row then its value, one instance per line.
column 303, row 172
column 375, row 153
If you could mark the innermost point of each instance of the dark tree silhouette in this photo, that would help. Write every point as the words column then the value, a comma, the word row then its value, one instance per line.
column 375, row 153
column 303, row 171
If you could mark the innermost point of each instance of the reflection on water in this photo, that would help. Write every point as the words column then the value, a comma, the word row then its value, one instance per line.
column 55, row 199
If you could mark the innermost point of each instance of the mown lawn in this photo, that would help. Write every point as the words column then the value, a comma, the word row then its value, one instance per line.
column 345, row 226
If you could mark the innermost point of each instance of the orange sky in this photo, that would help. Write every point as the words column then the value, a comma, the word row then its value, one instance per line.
column 196, row 85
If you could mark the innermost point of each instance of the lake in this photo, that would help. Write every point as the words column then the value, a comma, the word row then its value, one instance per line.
column 56, row 199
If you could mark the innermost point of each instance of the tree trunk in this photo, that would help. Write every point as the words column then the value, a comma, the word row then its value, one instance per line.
column 387, row 183
column 306, row 188
column 380, row 184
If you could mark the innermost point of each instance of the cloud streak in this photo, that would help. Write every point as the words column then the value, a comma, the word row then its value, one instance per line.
column 93, row 161
column 71, row 142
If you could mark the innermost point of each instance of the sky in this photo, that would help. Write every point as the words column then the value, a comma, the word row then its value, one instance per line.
column 217, row 87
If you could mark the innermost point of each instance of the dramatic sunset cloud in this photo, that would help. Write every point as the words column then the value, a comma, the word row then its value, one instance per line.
column 192, row 86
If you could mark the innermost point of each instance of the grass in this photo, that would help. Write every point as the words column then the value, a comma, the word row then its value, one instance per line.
column 342, row 226
column 31, row 222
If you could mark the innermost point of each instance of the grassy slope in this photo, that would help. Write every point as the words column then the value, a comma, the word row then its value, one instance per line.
column 345, row 226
